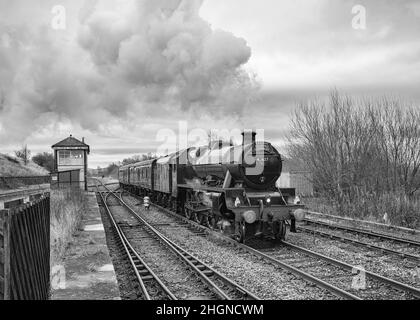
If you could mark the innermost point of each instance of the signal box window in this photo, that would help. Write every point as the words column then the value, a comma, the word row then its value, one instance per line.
column 70, row 157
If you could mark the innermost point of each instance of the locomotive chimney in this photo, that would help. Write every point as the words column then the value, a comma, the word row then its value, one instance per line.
column 248, row 137
column 83, row 139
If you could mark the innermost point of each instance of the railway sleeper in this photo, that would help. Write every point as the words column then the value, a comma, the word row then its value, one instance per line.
column 147, row 278
column 144, row 272
column 208, row 273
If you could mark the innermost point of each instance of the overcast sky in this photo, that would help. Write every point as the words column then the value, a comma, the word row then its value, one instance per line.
column 122, row 70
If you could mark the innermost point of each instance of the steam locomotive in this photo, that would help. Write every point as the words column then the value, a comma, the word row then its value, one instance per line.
column 229, row 188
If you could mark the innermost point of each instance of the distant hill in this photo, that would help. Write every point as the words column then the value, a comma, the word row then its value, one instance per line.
column 13, row 167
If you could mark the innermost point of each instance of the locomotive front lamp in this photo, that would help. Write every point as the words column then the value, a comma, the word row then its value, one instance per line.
column 299, row 214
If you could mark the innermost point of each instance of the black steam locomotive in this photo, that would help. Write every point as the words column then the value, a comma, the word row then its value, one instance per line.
column 230, row 188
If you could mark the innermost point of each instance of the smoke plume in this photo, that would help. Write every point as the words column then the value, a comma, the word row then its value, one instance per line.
column 139, row 58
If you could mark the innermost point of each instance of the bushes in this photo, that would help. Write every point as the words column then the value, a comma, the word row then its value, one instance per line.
column 364, row 155
column 13, row 167
column 67, row 208
column 401, row 210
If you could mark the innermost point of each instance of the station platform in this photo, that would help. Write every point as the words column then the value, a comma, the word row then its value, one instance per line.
column 87, row 272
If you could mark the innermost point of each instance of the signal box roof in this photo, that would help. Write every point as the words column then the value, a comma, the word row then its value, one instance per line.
column 71, row 142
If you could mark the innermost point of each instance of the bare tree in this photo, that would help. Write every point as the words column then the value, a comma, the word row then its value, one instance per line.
column 352, row 145
column 400, row 143
column 45, row 160
column 24, row 154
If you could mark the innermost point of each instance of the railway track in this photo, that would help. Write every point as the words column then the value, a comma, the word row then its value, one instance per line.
column 134, row 233
column 200, row 231
column 312, row 267
column 368, row 224
column 372, row 285
column 367, row 233
column 147, row 280
column 386, row 244
column 401, row 253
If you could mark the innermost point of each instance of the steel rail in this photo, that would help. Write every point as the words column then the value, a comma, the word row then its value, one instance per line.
column 360, row 243
column 202, row 269
column 132, row 254
column 361, row 231
column 302, row 274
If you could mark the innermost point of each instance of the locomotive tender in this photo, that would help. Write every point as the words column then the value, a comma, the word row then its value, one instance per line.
column 220, row 187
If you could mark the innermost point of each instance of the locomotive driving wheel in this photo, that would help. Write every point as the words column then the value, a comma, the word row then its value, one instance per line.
column 187, row 212
column 205, row 220
column 240, row 232
column 194, row 217
column 279, row 230
column 214, row 220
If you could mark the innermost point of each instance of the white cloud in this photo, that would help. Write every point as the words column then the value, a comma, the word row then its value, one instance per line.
column 125, row 59
column 124, row 69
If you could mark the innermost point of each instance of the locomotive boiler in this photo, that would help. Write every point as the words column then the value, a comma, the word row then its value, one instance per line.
column 224, row 187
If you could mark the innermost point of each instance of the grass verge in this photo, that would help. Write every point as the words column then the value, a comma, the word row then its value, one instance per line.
column 67, row 208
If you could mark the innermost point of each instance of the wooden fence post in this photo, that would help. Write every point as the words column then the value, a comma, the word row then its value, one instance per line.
column 5, row 230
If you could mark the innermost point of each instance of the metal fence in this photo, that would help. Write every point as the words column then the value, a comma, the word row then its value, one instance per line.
column 25, row 251
column 16, row 182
